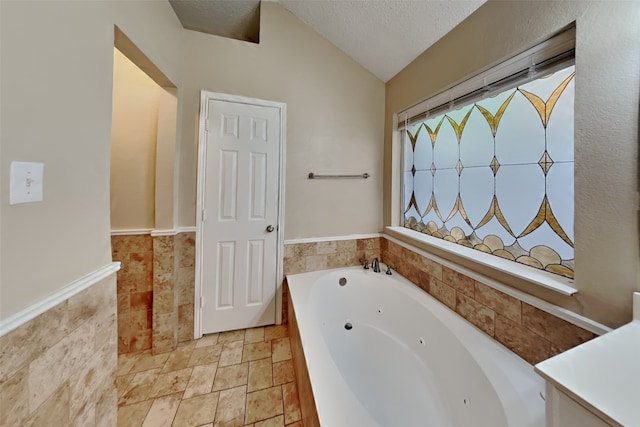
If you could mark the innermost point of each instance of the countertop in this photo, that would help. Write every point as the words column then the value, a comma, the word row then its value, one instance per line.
column 603, row 374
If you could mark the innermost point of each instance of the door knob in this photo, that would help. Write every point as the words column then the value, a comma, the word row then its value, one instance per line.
column 270, row 228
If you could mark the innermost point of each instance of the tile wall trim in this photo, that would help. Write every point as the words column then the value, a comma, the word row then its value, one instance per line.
column 20, row 318
column 562, row 313
column 153, row 232
column 131, row 232
column 189, row 229
column 167, row 232
column 329, row 239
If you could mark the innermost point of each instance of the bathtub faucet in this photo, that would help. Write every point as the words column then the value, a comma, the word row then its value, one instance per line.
column 376, row 265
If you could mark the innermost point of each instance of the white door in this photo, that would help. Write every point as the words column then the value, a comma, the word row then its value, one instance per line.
column 239, row 240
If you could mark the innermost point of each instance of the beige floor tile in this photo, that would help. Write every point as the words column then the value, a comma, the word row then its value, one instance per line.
column 275, row 331
column 201, row 380
column 259, row 380
column 133, row 415
column 254, row 335
column 255, row 351
column 178, row 359
column 190, row 343
column 291, row 403
column 231, row 353
column 260, row 375
column 231, row 376
column 122, row 383
column 171, row 382
column 207, row 340
column 140, row 387
column 162, row 411
column 205, row 355
column 146, row 362
column 264, row 404
column 197, row 410
column 126, row 362
column 271, row 422
column 231, row 336
column 281, row 349
column 283, row 372
column 231, row 407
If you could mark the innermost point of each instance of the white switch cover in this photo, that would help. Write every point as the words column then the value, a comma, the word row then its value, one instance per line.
column 26, row 182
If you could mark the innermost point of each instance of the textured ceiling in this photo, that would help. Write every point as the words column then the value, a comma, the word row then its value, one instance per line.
column 384, row 36
column 236, row 19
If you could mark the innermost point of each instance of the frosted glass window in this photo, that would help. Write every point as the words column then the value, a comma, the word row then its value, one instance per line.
column 497, row 175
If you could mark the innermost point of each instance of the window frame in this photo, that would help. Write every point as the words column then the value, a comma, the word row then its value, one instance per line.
column 559, row 50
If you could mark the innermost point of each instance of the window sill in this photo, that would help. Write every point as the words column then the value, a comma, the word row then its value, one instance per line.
column 531, row 275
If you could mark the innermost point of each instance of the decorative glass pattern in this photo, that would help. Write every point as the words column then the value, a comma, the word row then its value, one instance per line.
column 497, row 175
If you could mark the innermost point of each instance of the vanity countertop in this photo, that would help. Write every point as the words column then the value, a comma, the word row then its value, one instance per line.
column 603, row 374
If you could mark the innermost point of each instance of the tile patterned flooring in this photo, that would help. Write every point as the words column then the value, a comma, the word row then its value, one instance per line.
column 236, row 378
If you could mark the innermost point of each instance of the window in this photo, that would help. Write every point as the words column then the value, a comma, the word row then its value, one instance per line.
column 493, row 168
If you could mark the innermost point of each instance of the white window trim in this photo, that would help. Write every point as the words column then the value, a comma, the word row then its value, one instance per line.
column 464, row 255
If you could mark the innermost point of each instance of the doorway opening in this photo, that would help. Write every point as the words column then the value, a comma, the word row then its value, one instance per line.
column 143, row 146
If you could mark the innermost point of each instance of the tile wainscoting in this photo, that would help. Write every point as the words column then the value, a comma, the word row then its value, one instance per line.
column 155, row 290
column 59, row 368
column 135, row 291
column 531, row 333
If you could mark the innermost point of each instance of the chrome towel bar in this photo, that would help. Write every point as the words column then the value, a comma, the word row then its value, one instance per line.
column 316, row 176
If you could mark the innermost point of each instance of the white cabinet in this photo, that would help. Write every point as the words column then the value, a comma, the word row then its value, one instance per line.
column 596, row 384
column 563, row 411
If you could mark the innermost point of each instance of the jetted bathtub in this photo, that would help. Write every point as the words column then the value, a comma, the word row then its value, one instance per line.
column 379, row 351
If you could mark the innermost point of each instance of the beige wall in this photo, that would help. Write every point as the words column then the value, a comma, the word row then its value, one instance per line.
column 166, row 155
column 606, row 126
column 56, row 77
column 335, row 113
column 134, row 130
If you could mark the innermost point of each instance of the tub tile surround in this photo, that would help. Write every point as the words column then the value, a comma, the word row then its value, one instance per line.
column 305, row 257
column 59, row 368
column 314, row 256
column 234, row 378
column 531, row 333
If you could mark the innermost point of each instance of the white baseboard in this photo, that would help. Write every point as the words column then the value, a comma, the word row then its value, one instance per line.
column 23, row 316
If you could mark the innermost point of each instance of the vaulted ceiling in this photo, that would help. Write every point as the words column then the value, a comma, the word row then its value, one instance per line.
column 384, row 36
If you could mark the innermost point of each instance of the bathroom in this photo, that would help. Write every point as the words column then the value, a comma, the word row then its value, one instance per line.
column 339, row 119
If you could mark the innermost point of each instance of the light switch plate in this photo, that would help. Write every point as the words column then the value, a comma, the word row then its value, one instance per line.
column 26, row 182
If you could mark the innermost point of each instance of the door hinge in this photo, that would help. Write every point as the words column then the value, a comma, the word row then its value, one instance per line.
column 201, row 302
column 204, row 215
column 206, row 125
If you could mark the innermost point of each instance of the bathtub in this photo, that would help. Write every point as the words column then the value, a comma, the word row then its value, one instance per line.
column 379, row 351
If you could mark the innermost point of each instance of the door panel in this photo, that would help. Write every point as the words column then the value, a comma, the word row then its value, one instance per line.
column 241, row 192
